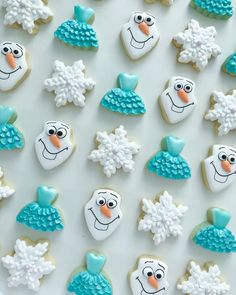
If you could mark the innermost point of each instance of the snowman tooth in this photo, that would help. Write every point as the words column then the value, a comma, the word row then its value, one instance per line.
column 4, row 76
column 176, row 109
column 219, row 178
column 48, row 155
column 99, row 226
column 136, row 44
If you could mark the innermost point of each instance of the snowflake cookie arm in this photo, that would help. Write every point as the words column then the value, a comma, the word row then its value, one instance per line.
column 5, row 191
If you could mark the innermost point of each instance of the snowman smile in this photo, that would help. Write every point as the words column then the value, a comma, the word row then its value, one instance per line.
column 135, row 43
column 100, row 225
column 5, row 75
column 220, row 177
column 144, row 292
column 49, row 155
column 178, row 109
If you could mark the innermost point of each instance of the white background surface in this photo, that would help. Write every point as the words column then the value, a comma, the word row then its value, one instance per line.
column 78, row 178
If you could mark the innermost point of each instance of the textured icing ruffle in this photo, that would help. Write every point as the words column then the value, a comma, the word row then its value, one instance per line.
column 10, row 137
column 229, row 65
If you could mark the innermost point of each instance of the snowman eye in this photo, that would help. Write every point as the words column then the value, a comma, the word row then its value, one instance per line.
column 232, row 159
column 188, row 88
column 138, row 18
column 61, row 132
column 159, row 274
column 178, row 86
column 148, row 272
column 149, row 21
column 17, row 53
column 101, row 201
column 51, row 130
column 222, row 156
column 111, row 204
column 6, row 49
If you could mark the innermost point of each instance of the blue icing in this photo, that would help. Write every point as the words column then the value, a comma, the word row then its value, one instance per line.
column 167, row 162
column 229, row 65
column 124, row 99
column 78, row 32
column 41, row 215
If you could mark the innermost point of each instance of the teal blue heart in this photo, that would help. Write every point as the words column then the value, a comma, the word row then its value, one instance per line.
column 46, row 195
column 173, row 145
column 6, row 114
column 220, row 217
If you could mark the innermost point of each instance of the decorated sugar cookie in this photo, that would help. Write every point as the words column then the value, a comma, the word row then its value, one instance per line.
column 220, row 9
column 149, row 276
column 197, row 45
column 205, row 280
column 69, row 83
column 28, row 264
column 229, row 65
column 10, row 137
column 78, row 32
column 124, row 99
column 91, row 279
column 114, row 151
column 162, row 218
column 53, row 146
column 168, row 163
column 103, row 213
column 214, row 235
column 5, row 190
column 219, row 169
column 178, row 100
column 165, row 2
column 140, row 34
column 42, row 215
column 223, row 111
column 27, row 14
column 14, row 65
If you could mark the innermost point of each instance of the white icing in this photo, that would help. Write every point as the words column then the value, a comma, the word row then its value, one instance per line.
column 176, row 108
column 5, row 191
column 27, row 265
column 140, row 34
column 162, row 218
column 203, row 281
column 11, row 75
column 140, row 280
column 224, row 111
column 165, row 2
column 216, row 176
column 114, row 151
column 197, row 44
column 51, row 155
column 26, row 13
column 69, row 83
column 100, row 224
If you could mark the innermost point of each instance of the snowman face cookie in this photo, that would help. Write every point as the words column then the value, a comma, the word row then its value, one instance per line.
column 150, row 277
column 140, row 34
column 178, row 100
column 53, row 146
column 220, row 168
column 103, row 214
column 13, row 65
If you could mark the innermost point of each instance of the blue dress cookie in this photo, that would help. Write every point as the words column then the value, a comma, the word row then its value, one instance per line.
column 229, row 65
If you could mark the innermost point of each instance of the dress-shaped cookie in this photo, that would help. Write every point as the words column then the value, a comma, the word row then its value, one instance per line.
column 213, row 235
column 168, row 163
column 90, row 280
column 10, row 137
column 42, row 215
column 229, row 65
column 78, row 32
column 124, row 99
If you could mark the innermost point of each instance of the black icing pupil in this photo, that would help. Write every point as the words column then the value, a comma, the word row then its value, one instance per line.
column 139, row 17
column 179, row 86
column 5, row 49
column 158, row 276
column 232, row 159
column 101, row 202
column 149, row 19
column 16, row 51
column 59, row 133
column 224, row 157
column 188, row 87
column 51, row 131
column 149, row 274
column 110, row 204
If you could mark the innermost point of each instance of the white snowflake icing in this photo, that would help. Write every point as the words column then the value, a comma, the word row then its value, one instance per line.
column 26, row 13
column 28, row 265
column 201, row 281
column 5, row 191
column 115, row 151
column 197, row 44
column 224, row 111
column 162, row 218
column 69, row 83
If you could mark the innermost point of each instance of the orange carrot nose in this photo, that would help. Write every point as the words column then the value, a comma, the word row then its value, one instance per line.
column 226, row 166
column 153, row 282
column 11, row 60
column 106, row 211
column 183, row 95
column 55, row 140
column 144, row 28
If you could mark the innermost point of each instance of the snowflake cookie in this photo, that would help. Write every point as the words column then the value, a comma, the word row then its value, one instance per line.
column 69, row 83
column 28, row 14
column 197, row 45
column 162, row 218
column 114, row 151
column 223, row 111
column 5, row 191
column 204, row 280
column 28, row 264
column 165, row 2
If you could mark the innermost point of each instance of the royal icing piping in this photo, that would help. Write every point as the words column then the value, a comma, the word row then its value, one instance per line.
column 114, row 151
column 213, row 235
column 78, row 32
column 53, row 146
column 162, row 218
column 69, row 83
column 165, row 2
column 91, row 280
column 103, row 213
column 204, row 280
column 178, row 100
column 150, row 277
column 10, row 137
column 41, row 215
column 5, row 191
column 229, row 65
column 26, row 13
column 124, row 99
column 168, row 163
column 224, row 111
column 28, row 264
column 197, row 45
column 140, row 34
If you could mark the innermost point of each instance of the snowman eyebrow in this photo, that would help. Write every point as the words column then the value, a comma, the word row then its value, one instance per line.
column 222, row 147
column 150, row 261
column 101, row 193
column 51, row 122
column 189, row 82
column 161, row 265
column 113, row 195
column 65, row 125
column 233, row 151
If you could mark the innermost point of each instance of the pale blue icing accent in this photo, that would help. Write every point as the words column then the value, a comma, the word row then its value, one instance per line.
column 127, row 82
column 83, row 14
column 46, row 195
column 220, row 218
column 229, row 65
column 173, row 145
column 94, row 263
